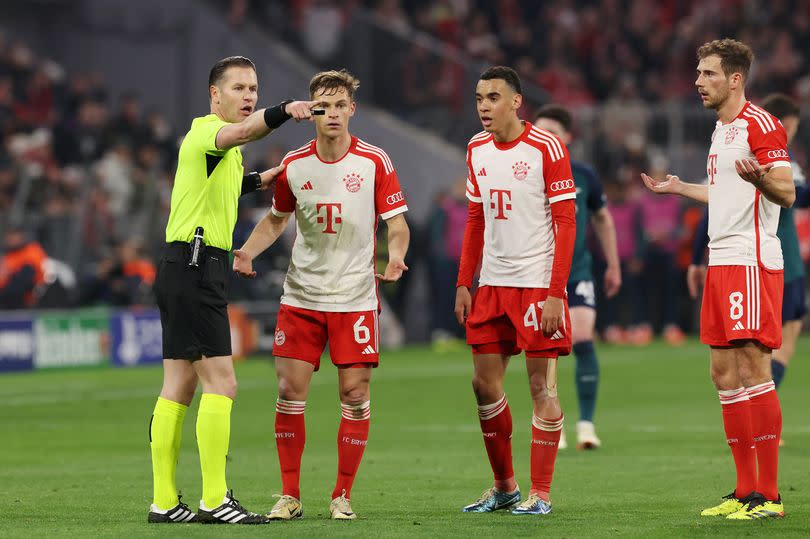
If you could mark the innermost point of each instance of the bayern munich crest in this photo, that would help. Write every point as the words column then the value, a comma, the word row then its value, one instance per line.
column 730, row 134
column 521, row 170
column 352, row 182
column 281, row 338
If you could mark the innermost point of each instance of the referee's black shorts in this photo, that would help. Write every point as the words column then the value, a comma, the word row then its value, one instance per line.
column 193, row 303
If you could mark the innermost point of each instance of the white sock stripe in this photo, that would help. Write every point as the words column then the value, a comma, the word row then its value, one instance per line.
column 730, row 396
column 489, row 414
column 290, row 407
column 761, row 389
column 548, row 425
column 487, row 407
column 358, row 412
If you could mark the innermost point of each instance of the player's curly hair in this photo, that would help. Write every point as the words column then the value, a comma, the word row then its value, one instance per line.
column 735, row 56
column 333, row 81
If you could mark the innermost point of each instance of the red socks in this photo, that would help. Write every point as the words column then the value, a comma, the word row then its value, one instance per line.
column 496, row 426
column 545, row 442
column 737, row 422
column 352, row 439
column 766, row 422
column 290, row 440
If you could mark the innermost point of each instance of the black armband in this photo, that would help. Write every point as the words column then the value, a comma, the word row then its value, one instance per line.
column 252, row 181
column 275, row 116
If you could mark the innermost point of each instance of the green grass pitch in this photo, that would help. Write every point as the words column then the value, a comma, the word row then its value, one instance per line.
column 74, row 457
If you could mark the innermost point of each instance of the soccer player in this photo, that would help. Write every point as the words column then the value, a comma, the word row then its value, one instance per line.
column 581, row 295
column 191, row 291
column 793, row 303
column 521, row 220
column 749, row 179
column 338, row 186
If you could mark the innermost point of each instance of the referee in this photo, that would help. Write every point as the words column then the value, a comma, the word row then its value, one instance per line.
column 190, row 289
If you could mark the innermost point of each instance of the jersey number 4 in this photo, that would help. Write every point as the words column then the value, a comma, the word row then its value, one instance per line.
column 530, row 317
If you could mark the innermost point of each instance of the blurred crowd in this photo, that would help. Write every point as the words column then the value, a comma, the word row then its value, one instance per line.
column 85, row 181
column 86, row 176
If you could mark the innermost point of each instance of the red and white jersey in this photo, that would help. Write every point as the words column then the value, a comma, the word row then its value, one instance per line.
column 336, row 207
column 516, row 183
column 742, row 222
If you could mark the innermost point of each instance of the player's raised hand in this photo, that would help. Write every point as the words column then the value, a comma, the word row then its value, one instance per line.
column 300, row 110
column 695, row 277
column 269, row 176
column 243, row 264
column 750, row 170
column 552, row 317
column 671, row 185
column 463, row 304
column 613, row 281
column 393, row 271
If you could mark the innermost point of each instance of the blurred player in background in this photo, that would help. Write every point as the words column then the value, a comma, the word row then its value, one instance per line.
column 794, row 306
column 338, row 186
column 581, row 293
column 522, row 219
column 749, row 179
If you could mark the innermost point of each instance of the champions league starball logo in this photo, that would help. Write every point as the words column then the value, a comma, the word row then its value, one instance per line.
column 352, row 182
column 730, row 134
column 521, row 170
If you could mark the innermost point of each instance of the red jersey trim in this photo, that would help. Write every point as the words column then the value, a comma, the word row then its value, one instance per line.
column 300, row 153
column 512, row 143
column 339, row 159
column 365, row 149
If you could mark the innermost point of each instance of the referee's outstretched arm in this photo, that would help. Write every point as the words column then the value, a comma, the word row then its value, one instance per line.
column 262, row 122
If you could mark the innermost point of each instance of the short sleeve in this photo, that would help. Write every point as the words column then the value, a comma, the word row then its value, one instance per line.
column 473, row 193
column 767, row 138
column 596, row 196
column 205, row 133
column 559, row 179
column 388, row 197
column 283, row 198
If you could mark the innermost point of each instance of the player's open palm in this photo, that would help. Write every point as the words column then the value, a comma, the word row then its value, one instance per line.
column 552, row 317
column 671, row 185
column 463, row 304
column 393, row 271
column 750, row 170
column 243, row 264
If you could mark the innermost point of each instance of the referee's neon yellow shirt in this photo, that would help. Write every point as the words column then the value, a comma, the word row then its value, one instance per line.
column 207, row 186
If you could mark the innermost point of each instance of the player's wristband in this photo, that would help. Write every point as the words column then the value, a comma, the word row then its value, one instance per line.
column 275, row 116
column 252, row 181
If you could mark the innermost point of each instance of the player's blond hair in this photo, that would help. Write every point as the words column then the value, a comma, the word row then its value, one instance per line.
column 735, row 56
column 333, row 81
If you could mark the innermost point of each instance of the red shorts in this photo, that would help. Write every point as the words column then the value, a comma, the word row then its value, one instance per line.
column 506, row 320
column 742, row 303
column 353, row 337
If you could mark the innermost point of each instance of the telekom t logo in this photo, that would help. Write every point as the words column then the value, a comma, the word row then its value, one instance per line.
column 500, row 200
column 331, row 216
column 711, row 169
